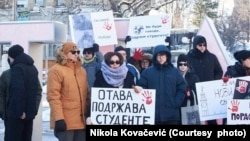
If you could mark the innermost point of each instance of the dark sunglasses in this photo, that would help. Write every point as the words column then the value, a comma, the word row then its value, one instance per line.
column 182, row 64
column 200, row 45
column 87, row 52
column 75, row 51
column 114, row 62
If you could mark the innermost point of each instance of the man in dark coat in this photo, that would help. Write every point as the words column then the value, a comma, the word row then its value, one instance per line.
column 204, row 63
column 24, row 95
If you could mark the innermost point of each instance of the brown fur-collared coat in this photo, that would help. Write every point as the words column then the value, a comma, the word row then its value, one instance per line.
column 67, row 90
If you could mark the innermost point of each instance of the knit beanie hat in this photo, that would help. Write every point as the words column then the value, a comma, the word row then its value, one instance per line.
column 68, row 46
column 15, row 51
column 242, row 55
column 182, row 58
column 119, row 48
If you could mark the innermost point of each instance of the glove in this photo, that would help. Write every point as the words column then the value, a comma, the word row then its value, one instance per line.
column 138, row 54
column 96, row 47
column 60, row 125
column 127, row 39
column 167, row 40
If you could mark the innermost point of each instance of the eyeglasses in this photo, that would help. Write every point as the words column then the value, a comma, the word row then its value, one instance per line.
column 200, row 45
column 114, row 62
column 75, row 51
column 182, row 64
column 87, row 52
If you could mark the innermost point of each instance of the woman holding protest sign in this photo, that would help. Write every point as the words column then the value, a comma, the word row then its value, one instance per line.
column 114, row 73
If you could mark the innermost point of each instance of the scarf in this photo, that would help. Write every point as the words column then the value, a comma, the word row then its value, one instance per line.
column 89, row 61
column 114, row 77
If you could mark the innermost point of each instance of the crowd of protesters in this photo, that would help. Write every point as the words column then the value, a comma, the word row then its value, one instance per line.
column 70, row 81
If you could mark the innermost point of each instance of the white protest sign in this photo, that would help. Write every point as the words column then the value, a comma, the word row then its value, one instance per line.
column 238, row 111
column 213, row 96
column 116, row 106
column 96, row 27
column 148, row 31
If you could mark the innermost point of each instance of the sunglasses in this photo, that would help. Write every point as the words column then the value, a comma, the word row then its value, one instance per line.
column 200, row 45
column 75, row 51
column 182, row 64
column 114, row 62
column 87, row 52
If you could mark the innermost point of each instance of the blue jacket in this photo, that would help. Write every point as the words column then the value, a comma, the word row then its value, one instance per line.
column 169, row 85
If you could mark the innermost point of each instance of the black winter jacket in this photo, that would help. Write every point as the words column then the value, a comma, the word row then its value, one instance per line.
column 23, row 88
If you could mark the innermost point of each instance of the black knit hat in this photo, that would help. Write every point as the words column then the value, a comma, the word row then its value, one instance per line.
column 242, row 55
column 182, row 58
column 15, row 51
column 119, row 48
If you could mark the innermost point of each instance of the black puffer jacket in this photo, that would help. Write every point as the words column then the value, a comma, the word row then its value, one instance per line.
column 236, row 70
column 205, row 65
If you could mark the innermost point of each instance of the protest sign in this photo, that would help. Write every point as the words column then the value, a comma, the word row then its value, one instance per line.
column 213, row 96
column 96, row 27
column 238, row 111
column 148, row 31
column 117, row 106
column 242, row 89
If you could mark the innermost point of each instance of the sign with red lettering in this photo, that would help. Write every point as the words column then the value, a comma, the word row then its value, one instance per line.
column 213, row 96
column 238, row 111
column 116, row 106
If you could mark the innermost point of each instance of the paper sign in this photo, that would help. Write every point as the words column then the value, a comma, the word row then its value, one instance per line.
column 238, row 112
column 149, row 31
column 96, row 27
column 213, row 97
column 116, row 106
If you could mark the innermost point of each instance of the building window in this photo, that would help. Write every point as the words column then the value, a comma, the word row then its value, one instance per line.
column 50, row 50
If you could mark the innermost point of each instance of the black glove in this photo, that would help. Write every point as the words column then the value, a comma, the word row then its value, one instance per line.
column 127, row 39
column 167, row 39
column 60, row 125
column 96, row 47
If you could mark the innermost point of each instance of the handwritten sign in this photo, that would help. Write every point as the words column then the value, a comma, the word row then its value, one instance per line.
column 238, row 111
column 95, row 27
column 147, row 31
column 213, row 96
column 110, row 106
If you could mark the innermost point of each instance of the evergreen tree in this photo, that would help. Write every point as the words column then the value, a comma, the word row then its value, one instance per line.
column 204, row 8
